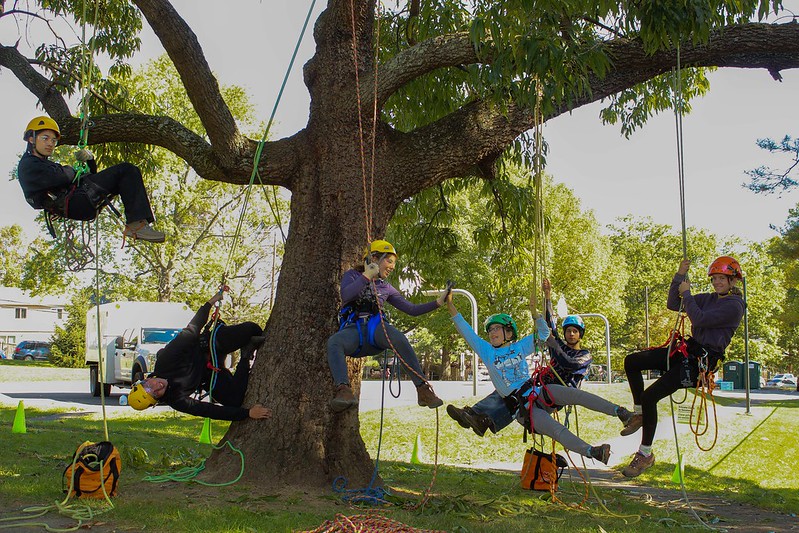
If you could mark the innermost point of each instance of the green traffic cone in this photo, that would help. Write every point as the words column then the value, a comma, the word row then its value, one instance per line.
column 417, row 456
column 679, row 472
column 19, row 420
column 205, row 434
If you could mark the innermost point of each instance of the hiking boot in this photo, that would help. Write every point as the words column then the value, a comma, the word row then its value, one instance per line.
column 639, row 463
column 601, row 453
column 143, row 231
column 467, row 418
column 426, row 397
column 461, row 416
column 633, row 424
column 344, row 399
column 252, row 346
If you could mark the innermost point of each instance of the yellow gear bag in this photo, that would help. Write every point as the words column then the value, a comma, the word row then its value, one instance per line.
column 93, row 472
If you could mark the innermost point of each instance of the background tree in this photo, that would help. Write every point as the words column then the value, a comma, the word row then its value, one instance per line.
column 784, row 249
column 470, row 69
column 651, row 253
column 12, row 255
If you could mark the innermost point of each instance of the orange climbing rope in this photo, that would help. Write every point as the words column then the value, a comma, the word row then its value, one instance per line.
column 362, row 523
column 367, row 181
column 704, row 393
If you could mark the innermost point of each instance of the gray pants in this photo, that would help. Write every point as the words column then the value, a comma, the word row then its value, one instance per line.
column 545, row 424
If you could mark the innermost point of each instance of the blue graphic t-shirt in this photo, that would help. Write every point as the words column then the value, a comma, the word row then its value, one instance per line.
column 507, row 365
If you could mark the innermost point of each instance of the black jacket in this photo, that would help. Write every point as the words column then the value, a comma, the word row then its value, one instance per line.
column 185, row 366
column 38, row 177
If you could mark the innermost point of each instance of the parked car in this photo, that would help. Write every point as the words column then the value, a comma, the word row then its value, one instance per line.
column 782, row 380
column 32, row 351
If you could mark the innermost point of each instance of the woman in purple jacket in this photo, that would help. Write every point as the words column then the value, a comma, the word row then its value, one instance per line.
column 362, row 330
column 714, row 318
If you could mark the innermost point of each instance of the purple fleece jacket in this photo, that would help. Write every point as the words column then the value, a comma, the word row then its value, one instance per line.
column 713, row 319
column 353, row 282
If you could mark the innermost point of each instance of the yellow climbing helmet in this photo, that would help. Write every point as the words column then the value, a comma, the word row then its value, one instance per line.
column 39, row 124
column 139, row 398
column 382, row 247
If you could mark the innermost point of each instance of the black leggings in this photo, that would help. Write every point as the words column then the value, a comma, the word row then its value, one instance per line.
column 668, row 383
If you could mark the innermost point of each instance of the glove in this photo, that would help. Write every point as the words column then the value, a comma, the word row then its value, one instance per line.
column 84, row 155
column 542, row 328
column 442, row 298
column 371, row 271
column 69, row 171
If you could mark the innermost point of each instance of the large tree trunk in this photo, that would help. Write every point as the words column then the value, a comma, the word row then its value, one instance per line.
column 305, row 442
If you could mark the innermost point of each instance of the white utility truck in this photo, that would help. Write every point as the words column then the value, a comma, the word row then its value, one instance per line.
column 130, row 335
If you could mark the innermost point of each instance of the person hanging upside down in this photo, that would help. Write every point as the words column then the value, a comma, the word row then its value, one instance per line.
column 714, row 318
column 362, row 333
column 50, row 186
column 505, row 358
column 185, row 365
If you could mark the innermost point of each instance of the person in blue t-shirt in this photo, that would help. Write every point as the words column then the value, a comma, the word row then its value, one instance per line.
column 505, row 357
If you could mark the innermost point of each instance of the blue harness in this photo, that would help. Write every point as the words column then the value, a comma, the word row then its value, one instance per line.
column 348, row 316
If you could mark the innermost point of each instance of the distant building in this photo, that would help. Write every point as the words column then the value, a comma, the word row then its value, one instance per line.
column 28, row 318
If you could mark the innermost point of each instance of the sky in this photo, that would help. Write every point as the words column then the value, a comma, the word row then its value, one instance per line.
column 251, row 45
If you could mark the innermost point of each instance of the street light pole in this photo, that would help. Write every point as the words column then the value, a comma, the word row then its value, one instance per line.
column 473, row 301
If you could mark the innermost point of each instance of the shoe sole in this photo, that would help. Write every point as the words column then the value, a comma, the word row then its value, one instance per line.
column 463, row 419
column 605, row 456
column 341, row 405
column 455, row 414
column 433, row 405
column 632, row 428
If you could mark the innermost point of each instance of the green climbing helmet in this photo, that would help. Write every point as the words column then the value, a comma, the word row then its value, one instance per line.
column 505, row 320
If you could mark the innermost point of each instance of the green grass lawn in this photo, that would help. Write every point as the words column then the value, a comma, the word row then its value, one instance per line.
column 753, row 461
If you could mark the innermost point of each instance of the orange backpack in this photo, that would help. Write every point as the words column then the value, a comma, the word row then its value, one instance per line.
column 541, row 471
column 93, row 466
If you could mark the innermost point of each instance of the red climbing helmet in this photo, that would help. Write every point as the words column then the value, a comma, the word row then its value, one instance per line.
column 726, row 265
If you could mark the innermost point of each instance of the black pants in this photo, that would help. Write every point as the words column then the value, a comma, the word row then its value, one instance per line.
column 229, row 388
column 124, row 180
column 668, row 383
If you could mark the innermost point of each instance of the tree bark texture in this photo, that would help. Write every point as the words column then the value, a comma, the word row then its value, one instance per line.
column 326, row 167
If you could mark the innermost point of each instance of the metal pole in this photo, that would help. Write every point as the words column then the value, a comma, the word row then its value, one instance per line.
column 473, row 301
column 746, row 354
column 607, row 337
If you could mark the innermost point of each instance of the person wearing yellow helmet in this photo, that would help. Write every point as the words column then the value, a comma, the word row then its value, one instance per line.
column 364, row 331
column 714, row 318
column 50, row 186
column 185, row 365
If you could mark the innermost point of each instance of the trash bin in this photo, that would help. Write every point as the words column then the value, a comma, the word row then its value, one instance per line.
column 734, row 372
column 754, row 375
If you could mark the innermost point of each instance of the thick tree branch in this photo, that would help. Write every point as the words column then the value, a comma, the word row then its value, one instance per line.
column 278, row 161
column 184, row 49
column 41, row 87
column 455, row 144
column 436, row 52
